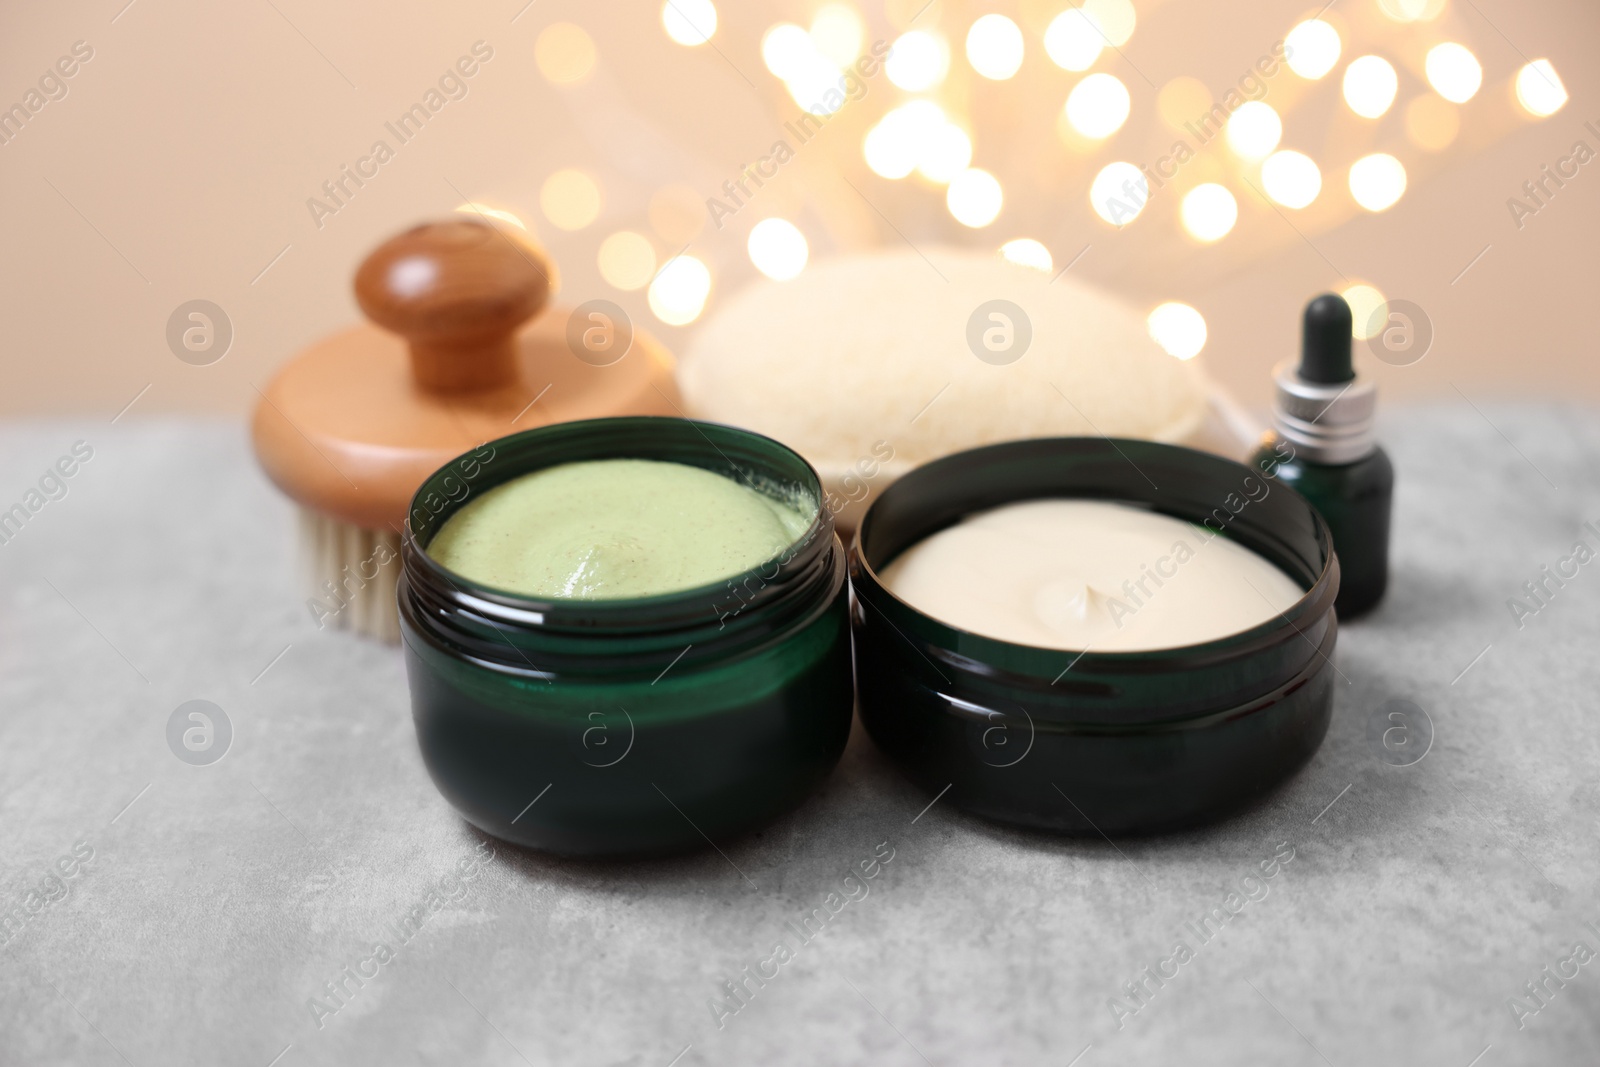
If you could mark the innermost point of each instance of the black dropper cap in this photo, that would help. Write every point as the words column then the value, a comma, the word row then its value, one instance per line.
column 1325, row 342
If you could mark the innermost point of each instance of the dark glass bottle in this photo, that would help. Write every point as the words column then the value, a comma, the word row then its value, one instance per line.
column 1322, row 444
column 1355, row 500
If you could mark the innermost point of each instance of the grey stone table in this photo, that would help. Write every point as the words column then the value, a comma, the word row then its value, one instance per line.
column 167, row 913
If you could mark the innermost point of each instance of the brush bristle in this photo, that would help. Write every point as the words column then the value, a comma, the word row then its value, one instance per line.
column 351, row 573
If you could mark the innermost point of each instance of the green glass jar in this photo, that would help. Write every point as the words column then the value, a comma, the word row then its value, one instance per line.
column 649, row 725
column 1085, row 742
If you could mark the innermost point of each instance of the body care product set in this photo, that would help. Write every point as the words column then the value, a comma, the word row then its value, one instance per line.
column 628, row 631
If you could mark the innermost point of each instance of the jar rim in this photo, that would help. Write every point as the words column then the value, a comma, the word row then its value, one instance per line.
column 1041, row 468
column 729, row 450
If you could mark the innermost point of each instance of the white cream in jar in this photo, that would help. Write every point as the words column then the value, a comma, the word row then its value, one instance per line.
column 1086, row 575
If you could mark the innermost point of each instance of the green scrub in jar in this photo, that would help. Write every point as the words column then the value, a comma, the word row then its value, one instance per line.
column 615, row 529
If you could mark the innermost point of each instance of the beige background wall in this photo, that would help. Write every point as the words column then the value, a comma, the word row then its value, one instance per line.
column 179, row 163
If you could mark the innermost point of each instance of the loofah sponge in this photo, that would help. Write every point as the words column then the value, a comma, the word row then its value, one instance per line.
column 888, row 354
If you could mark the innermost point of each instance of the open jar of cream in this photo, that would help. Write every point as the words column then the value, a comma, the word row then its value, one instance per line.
column 980, row 675
column 625, row 636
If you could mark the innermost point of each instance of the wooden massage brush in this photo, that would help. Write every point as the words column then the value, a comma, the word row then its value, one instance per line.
column 351, row 426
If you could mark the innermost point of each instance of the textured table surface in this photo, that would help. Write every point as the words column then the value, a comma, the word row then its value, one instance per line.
column 208, row 905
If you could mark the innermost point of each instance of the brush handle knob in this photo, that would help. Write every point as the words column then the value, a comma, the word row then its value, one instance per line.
column 457, row 291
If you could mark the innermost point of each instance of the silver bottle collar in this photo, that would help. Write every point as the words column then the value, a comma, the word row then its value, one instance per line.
column 1331, row 424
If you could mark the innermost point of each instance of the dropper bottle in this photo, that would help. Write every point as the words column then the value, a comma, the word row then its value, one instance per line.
column 1323, row 444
